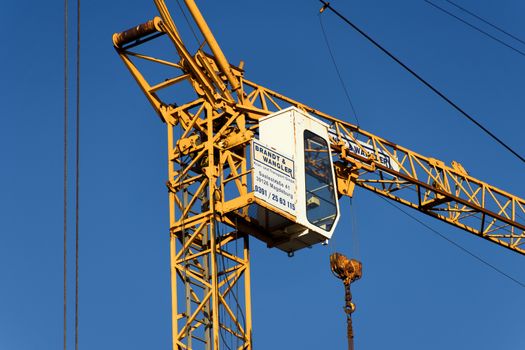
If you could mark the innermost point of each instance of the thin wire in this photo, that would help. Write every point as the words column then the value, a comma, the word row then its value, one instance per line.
column 427, row 84
column 66, row 101
column 337, row 69
column 77, row 174
column 476, row 28
column 355, row 233
column 188, row 22
column 485, row 21
column 455, row 244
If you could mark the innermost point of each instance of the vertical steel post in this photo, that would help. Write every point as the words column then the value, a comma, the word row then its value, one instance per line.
column 173, row 243
column 247, row 293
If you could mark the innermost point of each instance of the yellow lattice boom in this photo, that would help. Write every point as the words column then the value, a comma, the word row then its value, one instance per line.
column 211, row 113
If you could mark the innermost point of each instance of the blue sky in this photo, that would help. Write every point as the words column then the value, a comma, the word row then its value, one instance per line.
column 418, row 291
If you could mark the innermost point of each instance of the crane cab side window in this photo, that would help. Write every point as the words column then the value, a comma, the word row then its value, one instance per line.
column 321, row 208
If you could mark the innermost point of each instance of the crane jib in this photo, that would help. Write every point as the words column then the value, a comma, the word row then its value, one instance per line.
column 363, row 149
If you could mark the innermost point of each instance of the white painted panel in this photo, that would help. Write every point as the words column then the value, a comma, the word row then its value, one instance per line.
column 274, row 177
column 282, row 135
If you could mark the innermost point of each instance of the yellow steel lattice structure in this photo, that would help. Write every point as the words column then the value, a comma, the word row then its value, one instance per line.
column 427, row 184
column 211, row 113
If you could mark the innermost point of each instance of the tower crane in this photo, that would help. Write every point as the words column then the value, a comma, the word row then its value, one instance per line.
column 247, row 158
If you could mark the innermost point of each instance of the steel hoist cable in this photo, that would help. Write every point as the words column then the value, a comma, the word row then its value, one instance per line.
column 457, row 245
column 478, row 29
column 77, row 174
column 65, row 164
column 65, row 170
column 486, row 22
column 327, row 5
column 345, row 90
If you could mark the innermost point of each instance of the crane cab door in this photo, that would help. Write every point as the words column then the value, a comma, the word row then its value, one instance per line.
column 293, row 180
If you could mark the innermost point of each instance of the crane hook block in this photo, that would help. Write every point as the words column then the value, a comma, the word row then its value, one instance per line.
column 348, row 270
column 137, row 32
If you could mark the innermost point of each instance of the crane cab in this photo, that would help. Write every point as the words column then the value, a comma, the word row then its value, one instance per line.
column 293, row 181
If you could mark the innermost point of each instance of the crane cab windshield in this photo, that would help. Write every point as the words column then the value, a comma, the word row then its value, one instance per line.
column 321, row 205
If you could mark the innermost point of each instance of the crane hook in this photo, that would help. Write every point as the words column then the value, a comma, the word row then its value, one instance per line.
column 347, row 270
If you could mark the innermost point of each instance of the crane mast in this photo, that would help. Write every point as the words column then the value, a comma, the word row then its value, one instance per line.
column 212, row 114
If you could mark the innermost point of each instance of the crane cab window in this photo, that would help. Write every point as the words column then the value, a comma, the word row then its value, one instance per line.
column 321, row 208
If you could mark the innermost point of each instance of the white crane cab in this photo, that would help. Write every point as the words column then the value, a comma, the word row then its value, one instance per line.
column 294, row 185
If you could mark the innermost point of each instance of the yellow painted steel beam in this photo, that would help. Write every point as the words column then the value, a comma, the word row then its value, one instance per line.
column 210, row 39
column 423, row 183
column 209, row 175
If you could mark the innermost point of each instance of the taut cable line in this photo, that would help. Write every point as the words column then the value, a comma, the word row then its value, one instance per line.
column 77, row 173
column 327, row 5
column 66, row 100
column 66, row 165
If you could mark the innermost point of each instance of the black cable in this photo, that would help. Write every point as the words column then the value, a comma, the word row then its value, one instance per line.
column 355, row 231
column 476, row 28
column 188, row 22
column 337, row 70
column 485, row 21
column 427, row 84
column 77, row 173
column 66, row 101
column 454, row 243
